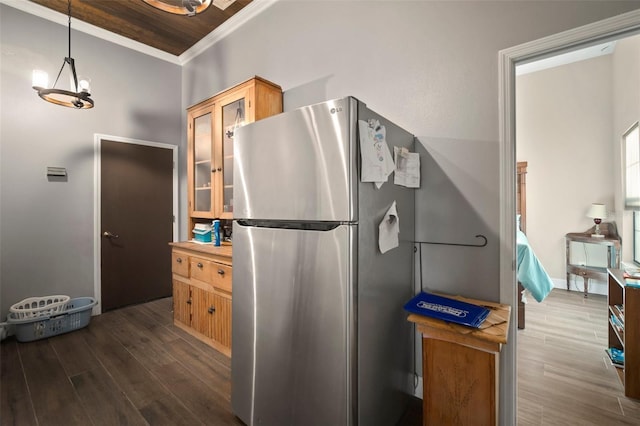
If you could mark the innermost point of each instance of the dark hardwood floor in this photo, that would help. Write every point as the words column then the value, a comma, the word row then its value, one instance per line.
column 133, row 367
column 128, row 367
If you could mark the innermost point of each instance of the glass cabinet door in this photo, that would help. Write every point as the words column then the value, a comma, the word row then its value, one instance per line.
column 233, row 116
column 202, row 142
column 211, row 128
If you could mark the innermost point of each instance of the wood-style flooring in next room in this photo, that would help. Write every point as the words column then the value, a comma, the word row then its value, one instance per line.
column 564, row 375
column 133, row 367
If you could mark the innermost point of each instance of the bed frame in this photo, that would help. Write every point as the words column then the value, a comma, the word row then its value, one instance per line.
column 521, row 209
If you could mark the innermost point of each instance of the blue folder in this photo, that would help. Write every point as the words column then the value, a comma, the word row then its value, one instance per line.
column 446, row 309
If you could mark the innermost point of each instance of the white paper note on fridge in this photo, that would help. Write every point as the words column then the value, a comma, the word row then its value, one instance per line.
column 389, row 229
column 377, row 162
column 407, row 168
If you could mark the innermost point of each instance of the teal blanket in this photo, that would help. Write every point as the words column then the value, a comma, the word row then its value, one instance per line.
column 530, row 271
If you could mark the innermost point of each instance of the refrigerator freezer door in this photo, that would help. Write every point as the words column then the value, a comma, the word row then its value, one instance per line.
column 299, row 165
column 292, row 326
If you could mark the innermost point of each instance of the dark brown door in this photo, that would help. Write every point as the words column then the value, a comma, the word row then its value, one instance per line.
column 137, row 223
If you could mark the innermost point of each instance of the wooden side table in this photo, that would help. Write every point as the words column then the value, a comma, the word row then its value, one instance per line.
column 460, row 367
column 611, row 240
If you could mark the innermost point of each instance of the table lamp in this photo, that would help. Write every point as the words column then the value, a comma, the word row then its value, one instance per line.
column 597, row 212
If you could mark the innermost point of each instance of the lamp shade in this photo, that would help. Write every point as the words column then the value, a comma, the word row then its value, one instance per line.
column 597, row 211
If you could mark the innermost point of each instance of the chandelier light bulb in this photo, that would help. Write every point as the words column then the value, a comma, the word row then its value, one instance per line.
column 84, row 85
column 40, row 79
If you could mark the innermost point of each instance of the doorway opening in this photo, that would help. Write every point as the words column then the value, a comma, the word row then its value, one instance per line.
column 588, row 35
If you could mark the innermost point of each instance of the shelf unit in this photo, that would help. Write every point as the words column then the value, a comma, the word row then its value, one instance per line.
column 624, row 329
column 210, row 130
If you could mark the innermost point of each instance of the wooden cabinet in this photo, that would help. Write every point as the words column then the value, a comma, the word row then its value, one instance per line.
column 460, row 367
column 181, row 302
column 202, row 276
column 624, row 330
column 210, row 130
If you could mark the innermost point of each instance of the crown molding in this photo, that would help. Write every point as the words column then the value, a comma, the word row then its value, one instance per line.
column 76, row 24
column 247, row 13
column 244, row 15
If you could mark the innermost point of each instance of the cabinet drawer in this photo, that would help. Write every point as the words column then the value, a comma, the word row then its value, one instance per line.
column 222, row 276
column 180, row 263
column 201, row 269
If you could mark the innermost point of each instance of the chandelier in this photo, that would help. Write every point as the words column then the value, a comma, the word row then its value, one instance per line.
column 180, row 7
column 78, row 97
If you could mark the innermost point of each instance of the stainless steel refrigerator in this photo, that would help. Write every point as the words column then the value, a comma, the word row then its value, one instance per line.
column 319, row 333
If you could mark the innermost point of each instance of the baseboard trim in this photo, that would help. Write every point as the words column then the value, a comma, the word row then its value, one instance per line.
column 577, row 284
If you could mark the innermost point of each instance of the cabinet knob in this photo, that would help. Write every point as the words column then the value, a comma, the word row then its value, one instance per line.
column 211, row 309
column 220, row 272
column 189, row 302
column 219, row 169
column 213, row 170
column 199, row 265
column 179, row 260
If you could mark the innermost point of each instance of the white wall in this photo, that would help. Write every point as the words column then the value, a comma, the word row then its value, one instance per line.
column 570, row 120
column 46, row 228
column 563, row 130
column 432, row 68
column 626, row 111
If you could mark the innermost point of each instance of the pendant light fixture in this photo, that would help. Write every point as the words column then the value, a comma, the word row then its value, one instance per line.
column 78, row 97
column 180, row 7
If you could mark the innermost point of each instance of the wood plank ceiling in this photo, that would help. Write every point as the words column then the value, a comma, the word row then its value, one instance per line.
column 143, row 23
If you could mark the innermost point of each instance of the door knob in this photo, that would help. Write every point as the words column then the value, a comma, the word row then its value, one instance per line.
column 109, row 234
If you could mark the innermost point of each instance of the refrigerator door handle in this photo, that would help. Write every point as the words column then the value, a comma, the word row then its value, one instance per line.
column 294, row 225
